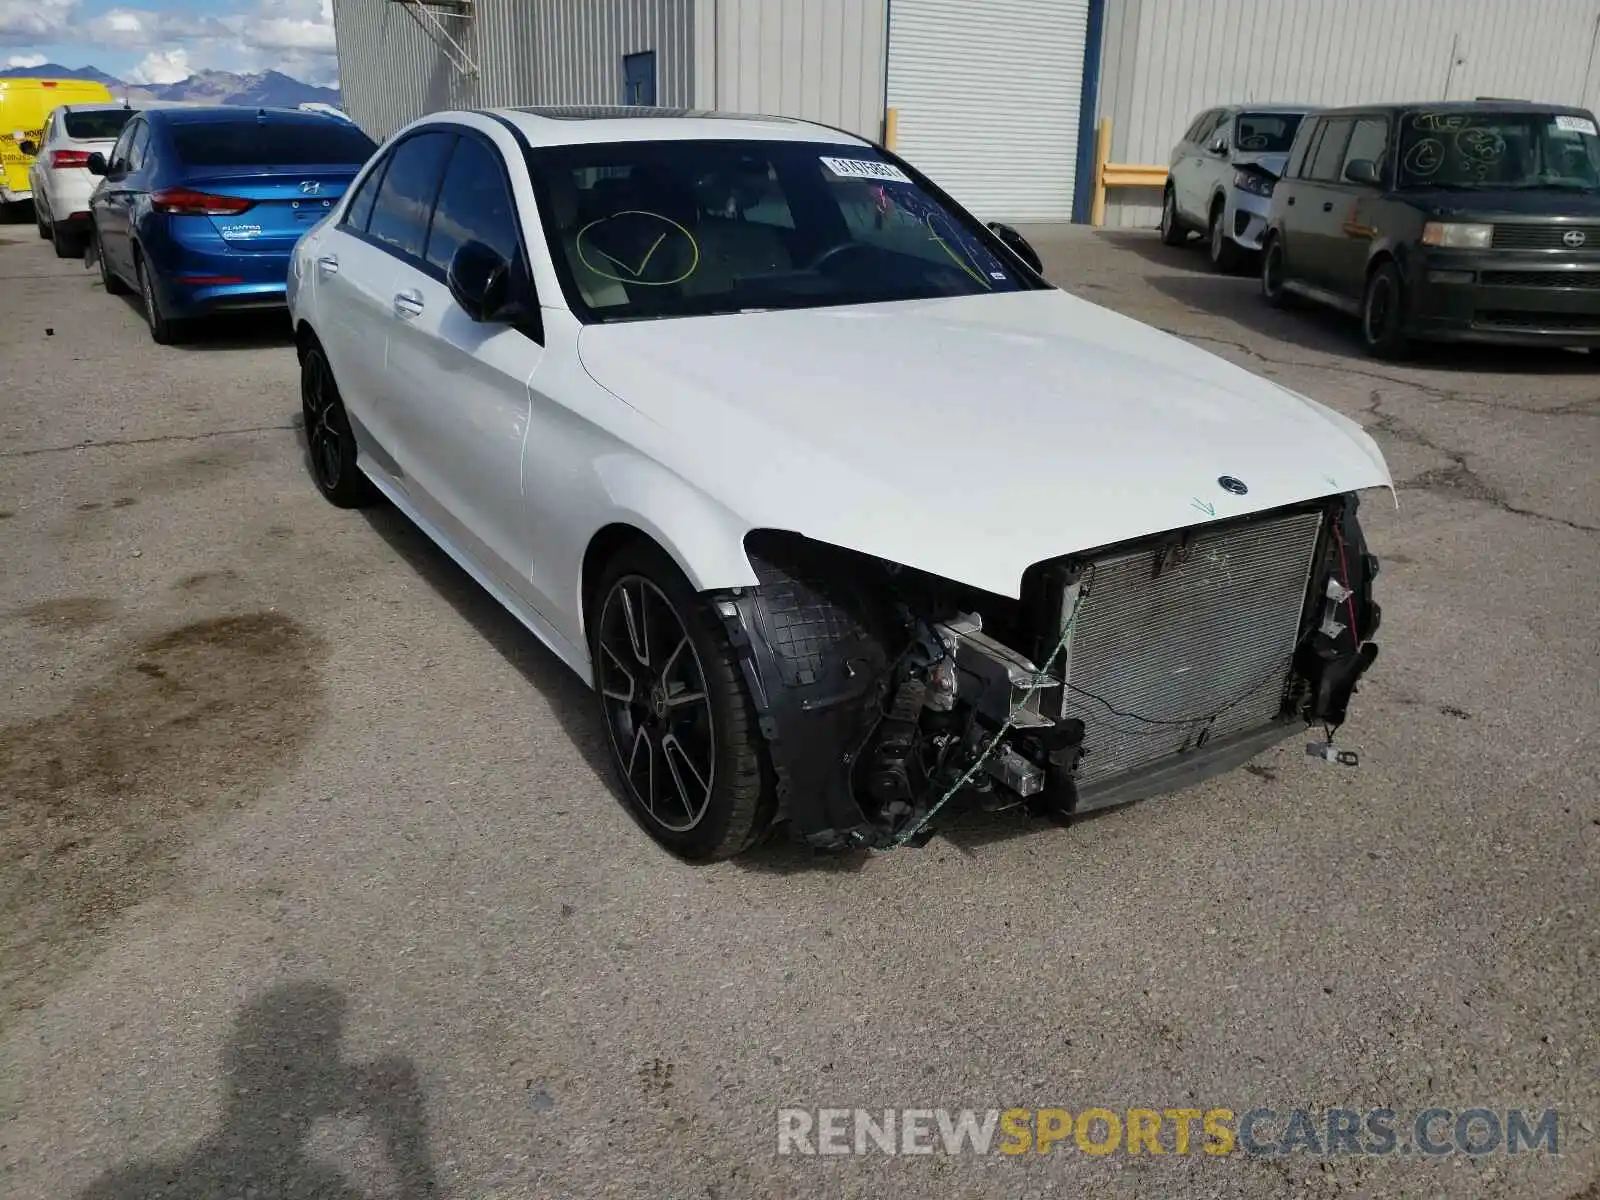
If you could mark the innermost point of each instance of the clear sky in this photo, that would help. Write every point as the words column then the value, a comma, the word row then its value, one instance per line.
column 163, row 41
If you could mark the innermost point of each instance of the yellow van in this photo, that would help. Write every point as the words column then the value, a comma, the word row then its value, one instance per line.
column 24, row 104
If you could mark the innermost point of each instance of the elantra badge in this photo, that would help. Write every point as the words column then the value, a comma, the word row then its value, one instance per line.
column 1229, row 484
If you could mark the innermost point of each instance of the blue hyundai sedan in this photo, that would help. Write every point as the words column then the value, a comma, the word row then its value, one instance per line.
column 198, row 209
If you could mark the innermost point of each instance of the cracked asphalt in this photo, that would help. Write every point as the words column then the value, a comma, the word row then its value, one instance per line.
column 312, row 886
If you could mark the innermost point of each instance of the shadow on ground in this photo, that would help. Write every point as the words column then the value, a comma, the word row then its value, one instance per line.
column 285, row 1072
column 230, row 331
column 571, row 701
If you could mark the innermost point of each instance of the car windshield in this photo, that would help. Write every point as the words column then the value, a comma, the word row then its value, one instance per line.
column 1498, row 150
column 681, row 228
column 1265, row 133
column 97, row 125
column 252, row 143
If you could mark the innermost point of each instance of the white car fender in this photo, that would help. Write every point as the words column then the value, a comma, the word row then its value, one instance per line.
column 704, row 538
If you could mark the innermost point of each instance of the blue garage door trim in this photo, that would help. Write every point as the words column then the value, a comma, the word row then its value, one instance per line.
column 1083, row 191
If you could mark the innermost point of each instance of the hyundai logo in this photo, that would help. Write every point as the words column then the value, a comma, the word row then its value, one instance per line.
column 311, row 187
column 1574, row 238
column 1229, row 484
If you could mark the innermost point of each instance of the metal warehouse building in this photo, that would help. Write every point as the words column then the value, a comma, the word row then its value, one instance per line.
column 996, row 99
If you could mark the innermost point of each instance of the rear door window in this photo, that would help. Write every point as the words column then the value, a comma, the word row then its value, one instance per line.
column 474, row 206
column 138, row 144
column 1301, row 153
column 253, row 143
column 1328, row 161
column 404, row 203
column 359, row 211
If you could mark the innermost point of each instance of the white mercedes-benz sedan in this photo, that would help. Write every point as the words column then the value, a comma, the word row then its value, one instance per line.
column 850, row 519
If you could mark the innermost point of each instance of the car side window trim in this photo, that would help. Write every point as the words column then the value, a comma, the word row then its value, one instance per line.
column 373, row 179
column 411, row 260
column 420, row 262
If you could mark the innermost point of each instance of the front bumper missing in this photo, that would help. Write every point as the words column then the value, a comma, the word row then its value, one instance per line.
column 814, row 659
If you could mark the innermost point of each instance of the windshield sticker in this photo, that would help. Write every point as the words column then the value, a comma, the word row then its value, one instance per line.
column 865, row 168
column 1575, row 124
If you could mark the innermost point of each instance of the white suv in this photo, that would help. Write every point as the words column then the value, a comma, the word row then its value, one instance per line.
column 60, row 176
column 1221, row 177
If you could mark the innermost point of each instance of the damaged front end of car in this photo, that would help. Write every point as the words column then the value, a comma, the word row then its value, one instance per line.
column 890, row 699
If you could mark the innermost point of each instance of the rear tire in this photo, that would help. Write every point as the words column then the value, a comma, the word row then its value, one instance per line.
column 163, row 330
column 109, row 279
column 1172, row 231
column 67, row 243
column 1383, row 313
column 330, row 441
column 691, row 768
column 1274, row 273
column 38, row 220
column 1222, row 250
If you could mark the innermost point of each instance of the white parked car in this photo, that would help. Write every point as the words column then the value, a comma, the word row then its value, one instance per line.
column 59, row 175
column 1221, row 175
column 847, row 515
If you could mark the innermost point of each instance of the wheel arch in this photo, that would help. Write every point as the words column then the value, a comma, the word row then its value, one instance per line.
column 701, row 537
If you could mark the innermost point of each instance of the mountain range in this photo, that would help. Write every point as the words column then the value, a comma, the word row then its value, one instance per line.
column 269, row 89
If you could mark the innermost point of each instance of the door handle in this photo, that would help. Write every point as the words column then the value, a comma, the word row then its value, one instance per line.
column 328, row 265
column 408, row 304
column 1327, row 206
column 1291, row 201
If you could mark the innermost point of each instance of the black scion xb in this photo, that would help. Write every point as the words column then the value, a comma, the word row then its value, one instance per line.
column 1469, row 221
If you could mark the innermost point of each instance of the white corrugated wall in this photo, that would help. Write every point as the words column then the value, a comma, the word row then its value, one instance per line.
column 1165, row 60
column 987, row 94
column 820, row 60
column 525, row 51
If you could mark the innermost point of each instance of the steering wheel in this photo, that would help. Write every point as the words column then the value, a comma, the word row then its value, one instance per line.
column 834, row 251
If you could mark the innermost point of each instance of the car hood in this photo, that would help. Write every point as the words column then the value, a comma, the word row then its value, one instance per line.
column 1274, row 163
column 1498, row 202
column 968, row 437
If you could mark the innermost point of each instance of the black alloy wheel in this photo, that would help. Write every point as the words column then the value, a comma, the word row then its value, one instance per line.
column 1274, row 274
column 658, row 707
column 1383, row 314
column 684, row 739
column 330, row 442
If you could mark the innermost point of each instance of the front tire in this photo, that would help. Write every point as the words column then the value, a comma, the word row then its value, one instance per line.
column 330, row 442
column 38, row 217
column 682, row 732
column 1172, row 230
column 1383, row 314
column 1221, row 249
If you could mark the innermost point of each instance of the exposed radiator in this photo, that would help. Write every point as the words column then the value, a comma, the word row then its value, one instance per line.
column 1187, row 641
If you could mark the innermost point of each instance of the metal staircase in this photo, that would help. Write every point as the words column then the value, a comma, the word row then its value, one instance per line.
column 436, row 18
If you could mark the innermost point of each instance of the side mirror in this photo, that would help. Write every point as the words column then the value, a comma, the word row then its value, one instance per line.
column 1018, row 245
column 1362, row 170
column 481, row 282
column 1218, row 147
column 96, row 164
column 28, row 146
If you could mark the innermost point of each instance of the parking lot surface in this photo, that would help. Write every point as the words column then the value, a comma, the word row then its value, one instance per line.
column 310, row 868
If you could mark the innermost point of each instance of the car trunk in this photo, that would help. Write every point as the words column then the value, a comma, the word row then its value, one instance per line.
column 285, row 202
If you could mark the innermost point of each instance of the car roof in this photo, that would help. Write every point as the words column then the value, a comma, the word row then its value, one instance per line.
column 98, row 106
column 1273, row 108
column 568, row 125
column 221, row 114
column 1456, row 106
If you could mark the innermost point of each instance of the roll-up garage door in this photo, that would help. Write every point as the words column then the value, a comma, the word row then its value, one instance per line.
column 987, row 95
